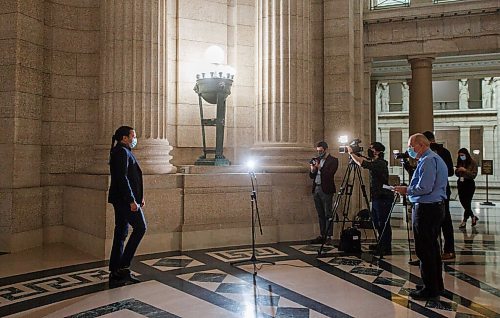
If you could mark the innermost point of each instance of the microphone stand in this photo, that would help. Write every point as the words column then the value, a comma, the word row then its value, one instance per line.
column 255, row 214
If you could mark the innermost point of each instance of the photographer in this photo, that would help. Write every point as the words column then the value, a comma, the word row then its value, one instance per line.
column 381, row 198
column 323, row 168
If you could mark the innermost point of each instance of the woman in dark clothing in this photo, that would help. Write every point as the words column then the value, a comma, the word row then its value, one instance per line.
column 466, row 172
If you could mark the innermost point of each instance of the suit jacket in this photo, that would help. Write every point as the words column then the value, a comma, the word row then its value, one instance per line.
column 327, row 175
column 126, row 176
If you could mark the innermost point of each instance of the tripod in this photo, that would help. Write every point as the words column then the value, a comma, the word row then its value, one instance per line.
column 387, row 221
column 352, row 173
column 255, row 214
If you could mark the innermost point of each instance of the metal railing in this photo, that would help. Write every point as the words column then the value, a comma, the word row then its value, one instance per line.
column 384, row 4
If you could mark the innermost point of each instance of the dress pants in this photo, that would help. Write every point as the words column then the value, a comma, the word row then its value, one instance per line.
column 120, row 257
column 427, row 219
column 466, row 191
column 323, row 203
column 447, row 228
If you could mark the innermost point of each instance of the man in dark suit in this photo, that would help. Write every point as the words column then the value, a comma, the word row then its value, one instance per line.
column 322, row 172
column 126, row 195
column 447, row 225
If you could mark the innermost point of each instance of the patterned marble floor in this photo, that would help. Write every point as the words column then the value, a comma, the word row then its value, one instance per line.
column 59, row 282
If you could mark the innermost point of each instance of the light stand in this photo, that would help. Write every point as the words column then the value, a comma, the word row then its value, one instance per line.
column 405, row 206
column 255, row 214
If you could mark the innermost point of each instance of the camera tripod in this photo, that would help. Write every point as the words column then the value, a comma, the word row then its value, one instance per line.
column 405, row 207
column 352, row 173
column 377, row 248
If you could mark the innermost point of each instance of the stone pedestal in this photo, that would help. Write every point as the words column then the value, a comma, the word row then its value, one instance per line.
column 202, row 209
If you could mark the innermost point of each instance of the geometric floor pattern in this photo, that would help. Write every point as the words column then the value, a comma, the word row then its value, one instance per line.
column 301, row 283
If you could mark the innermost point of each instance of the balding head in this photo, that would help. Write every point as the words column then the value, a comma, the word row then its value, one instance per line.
column 419, row 143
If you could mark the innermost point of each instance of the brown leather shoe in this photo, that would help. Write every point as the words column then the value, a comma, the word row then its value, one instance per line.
column 447, row 256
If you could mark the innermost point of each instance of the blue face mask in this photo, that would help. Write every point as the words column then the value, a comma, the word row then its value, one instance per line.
column 462, row 157
column 412, row 153
column 134, row 143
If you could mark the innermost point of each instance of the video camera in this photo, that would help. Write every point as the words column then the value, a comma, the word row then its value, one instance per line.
column 355, row 146
column 401, row 155
column 315, row 160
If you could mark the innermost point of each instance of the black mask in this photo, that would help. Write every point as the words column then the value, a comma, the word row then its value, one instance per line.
column 371, row 154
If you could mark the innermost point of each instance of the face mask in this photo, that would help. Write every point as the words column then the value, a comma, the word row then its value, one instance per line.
column 321, row 154
column 133, row 143
column 462, row 157
column 371, row 154
column 412, row 153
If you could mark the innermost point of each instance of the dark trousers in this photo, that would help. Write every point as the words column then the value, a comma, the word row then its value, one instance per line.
column 120, row 257
column 323, row 203
column 447, row 228
column 466, row 191
column 381, row 208
column 427, row 219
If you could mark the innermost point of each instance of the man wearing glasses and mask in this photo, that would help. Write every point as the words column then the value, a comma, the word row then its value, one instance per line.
column 381, row 198
column 323, row 169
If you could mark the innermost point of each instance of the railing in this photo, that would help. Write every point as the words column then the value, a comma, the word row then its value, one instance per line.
column 384, row 4
column 442, row 105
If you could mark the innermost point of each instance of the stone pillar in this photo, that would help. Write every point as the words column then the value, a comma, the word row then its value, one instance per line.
column 21, row 135
column 405, row 134
column 421, row 112
column 283, row 128
column 490, row 152
column 465, row 138
column 384, row 138
column 134, row 78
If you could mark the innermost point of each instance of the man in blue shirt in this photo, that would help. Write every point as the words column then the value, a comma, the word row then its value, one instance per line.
column 427, row 193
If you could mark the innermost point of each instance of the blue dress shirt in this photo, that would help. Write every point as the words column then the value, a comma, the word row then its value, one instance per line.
column 429, row 181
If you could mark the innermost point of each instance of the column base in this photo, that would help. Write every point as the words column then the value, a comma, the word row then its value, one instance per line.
column 153, row 156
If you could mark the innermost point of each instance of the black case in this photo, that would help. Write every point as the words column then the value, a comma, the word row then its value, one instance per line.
column 350, row 240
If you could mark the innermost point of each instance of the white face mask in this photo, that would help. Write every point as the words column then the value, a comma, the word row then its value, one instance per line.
column 133, row 143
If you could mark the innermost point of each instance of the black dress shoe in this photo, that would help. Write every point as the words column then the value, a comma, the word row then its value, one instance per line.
column 319, row 240
column 423, row 294
column 414, row 262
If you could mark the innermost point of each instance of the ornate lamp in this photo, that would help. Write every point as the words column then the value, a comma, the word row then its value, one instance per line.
column 214, row 86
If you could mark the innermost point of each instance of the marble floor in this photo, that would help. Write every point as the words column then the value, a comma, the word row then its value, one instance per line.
column 59, row 282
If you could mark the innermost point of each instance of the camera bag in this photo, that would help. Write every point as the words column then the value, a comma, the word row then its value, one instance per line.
column 350, row 240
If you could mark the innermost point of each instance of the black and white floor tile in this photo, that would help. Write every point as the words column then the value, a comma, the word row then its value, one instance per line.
column 301, row 283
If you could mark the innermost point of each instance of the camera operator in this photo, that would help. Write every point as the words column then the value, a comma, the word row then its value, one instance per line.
column 381, row 198
column 323, row 168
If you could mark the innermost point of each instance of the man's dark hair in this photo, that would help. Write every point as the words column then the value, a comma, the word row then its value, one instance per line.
column 429, row 135
column 378, row 146
column 119, row 134
column 322, row 144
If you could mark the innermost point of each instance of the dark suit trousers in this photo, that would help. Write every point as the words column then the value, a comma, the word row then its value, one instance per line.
column 447, row 228
column 323, row 203
column 120, row 257
column 427, row 219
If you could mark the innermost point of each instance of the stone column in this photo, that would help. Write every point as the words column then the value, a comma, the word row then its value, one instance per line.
column 283, row 128
column 421, row 116
column 134, row 77
column 384, row 138
column 490, row 152
column 465, row 138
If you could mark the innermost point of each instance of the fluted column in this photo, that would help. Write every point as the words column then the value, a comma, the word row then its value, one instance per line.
column 133, row 85
column 283, row 128
column 421, row 117
column 465, row 138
